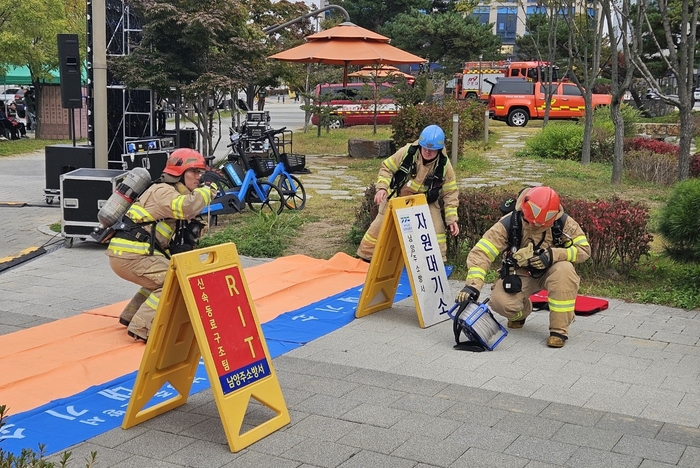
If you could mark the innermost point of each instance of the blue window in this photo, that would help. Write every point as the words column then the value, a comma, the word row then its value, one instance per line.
column 482, row 14
column 506, row 23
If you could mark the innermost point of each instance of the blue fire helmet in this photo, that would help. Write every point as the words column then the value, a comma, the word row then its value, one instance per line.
column 432, row 137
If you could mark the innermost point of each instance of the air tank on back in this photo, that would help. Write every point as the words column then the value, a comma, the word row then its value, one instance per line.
column 133, row 185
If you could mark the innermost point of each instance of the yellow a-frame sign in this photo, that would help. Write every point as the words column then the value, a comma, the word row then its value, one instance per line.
column 407, row 237
column 206, row 306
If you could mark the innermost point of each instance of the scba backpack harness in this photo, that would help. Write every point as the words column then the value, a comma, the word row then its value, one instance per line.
column 408, row 167
column 514, row 226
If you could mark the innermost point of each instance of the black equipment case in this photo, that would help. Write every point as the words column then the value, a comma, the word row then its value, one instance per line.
column 83, row 192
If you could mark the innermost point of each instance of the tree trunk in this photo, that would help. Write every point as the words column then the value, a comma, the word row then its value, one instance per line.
column 618, row 161
column 687, row 131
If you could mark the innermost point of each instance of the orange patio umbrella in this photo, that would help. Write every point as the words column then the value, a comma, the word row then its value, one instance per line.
column 347, row 44
column 382, row 71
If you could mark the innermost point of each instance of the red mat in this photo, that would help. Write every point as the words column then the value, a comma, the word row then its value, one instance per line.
column 585, row 305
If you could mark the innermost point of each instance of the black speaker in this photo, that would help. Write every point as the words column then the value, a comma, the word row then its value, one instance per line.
column 187, row 137
column 65, row 158
column 69, row 67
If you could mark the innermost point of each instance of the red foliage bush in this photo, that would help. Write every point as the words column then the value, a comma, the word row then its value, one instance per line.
column 649, row 144
column 695, row 165
column 616, row 230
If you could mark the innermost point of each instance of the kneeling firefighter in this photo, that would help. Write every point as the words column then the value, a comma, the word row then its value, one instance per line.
column 540, row 245
column 160, row 222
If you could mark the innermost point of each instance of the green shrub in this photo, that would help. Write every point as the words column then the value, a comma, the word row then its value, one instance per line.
column 679, row 222
column 262, row 235
column 603, row 134
column 411, row 120
column 557, row 140
column 652, row 167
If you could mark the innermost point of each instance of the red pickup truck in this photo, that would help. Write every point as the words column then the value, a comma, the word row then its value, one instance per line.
column 516, row 101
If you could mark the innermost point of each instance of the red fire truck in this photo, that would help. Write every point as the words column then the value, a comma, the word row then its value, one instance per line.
column 476, row 79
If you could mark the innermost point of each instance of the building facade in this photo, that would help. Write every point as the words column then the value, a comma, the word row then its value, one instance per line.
column 509, row 18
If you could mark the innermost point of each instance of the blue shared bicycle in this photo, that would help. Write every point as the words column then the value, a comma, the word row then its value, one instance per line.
column 279, row 167
column 240, row 185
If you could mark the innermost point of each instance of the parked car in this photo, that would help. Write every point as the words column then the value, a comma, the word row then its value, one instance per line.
column 19, row 96
column 351, row 108
column 652, row 94
column 696, row 94
column 8, row 95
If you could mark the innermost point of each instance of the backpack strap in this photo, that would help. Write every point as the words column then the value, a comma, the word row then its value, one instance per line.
column 408, row 165
column 435, row 180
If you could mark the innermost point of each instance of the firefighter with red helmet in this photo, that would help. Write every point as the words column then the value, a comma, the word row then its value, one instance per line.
column 540, row 244
column 159, row 223
column 418, row 167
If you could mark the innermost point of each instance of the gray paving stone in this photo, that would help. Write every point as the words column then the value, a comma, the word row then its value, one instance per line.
column 691, row 457
column 473, row 435
column 326, row 405
column 434, row 427
column 320, row 453
column 547, row 451
column 138, row 461
column 478, row 457
column 680, row 435
column 519, row 405
column 593, row 458
column 156, row 444
column 323, row 428
column 629, row 425
column 365, row 459
column 252, row 458
column 653, row 449
column 375, row 439
column 529, row 425
column 430, row 451
column 571, row 414
column 375, row 415
column 475, row 414
column 423, row 404
column 587, row 436
column 203, row 454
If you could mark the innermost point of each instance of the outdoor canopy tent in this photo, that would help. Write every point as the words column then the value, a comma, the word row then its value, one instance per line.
column 21, row 76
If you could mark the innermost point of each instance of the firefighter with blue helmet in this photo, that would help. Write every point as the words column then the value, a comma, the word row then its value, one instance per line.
column 153, row 227
column 418, row 167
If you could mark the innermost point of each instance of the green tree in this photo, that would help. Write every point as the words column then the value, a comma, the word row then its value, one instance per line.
column 272, row 73
column 446, row 38
column 372, row 15
column 677, row 48
column 28, row 31
column 192, row 53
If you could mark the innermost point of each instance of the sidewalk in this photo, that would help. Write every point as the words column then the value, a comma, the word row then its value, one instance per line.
column 381, row 391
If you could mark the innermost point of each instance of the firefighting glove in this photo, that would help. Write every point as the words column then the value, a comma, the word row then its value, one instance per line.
column 209, row 178
column 467, row 294
column 541, row 261
column 522, row 255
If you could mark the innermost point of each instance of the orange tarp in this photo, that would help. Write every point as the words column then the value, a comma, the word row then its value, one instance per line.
column 65, row 357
